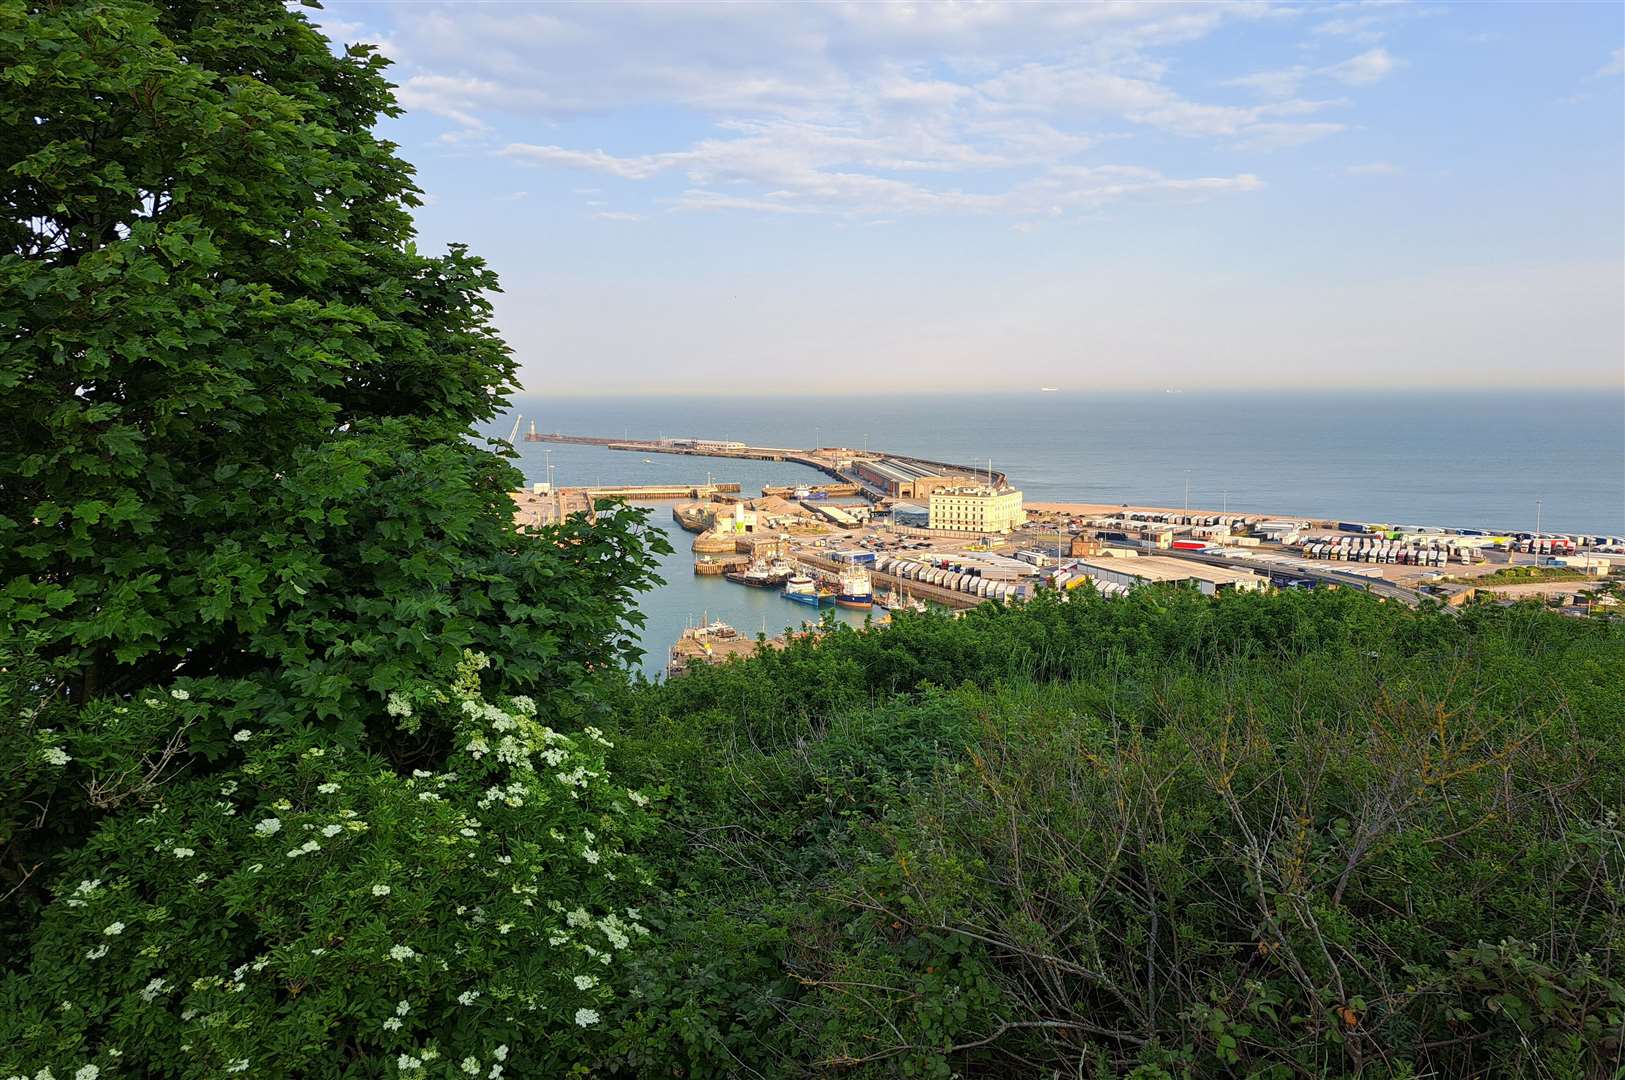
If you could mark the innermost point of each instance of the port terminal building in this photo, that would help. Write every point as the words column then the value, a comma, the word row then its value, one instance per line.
column 976, row 509
column 903, row 479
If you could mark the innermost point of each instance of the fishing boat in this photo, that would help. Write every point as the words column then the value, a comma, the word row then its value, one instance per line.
column 892, row 600
column 856, row 589
column 804, row 590
column 760, row 575
column 703, row 644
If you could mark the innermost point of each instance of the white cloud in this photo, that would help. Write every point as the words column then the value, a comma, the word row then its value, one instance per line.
column 1371, row 66
column 1280, row 136
column 1283, row 82
column 1361, row 28
column 617, row 215
column 1374, row 168
column 1615, row 65
column 857, row 110
column 1368, row 67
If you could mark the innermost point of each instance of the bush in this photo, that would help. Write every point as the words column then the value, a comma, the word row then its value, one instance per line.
column 1309, row 834
column 308, row 911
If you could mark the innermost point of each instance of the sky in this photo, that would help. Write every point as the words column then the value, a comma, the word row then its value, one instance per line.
column 761, row 198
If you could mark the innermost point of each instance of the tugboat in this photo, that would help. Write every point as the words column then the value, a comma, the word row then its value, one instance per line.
column 804, row 590
column 856, row 589
column 760, row 575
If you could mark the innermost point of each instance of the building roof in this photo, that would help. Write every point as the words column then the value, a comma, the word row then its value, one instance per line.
column 1160, row 568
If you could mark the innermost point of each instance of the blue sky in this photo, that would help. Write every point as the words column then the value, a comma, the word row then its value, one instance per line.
column 751, row 197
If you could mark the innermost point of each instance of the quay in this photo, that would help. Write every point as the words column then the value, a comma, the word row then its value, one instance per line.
column 821, row 566
column 877, row 475
column 653, row 492
column 537, row 506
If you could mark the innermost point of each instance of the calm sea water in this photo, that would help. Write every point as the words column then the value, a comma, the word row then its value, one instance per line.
column 1474, row 460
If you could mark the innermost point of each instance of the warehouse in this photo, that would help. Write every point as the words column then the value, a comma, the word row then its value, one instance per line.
column 902, row 479
column 1153, row 569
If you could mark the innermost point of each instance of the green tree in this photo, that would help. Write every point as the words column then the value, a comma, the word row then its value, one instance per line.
column 237, row 411
column 235, row 396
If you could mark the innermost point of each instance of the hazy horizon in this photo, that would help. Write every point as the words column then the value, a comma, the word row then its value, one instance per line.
column 711, row 198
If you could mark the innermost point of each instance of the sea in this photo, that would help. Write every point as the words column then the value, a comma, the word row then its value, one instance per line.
column 1497, row 460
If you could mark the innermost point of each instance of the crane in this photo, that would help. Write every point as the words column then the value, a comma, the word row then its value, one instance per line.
column 514, row 434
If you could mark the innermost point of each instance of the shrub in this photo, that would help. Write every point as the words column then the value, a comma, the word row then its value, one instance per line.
column 308, row 911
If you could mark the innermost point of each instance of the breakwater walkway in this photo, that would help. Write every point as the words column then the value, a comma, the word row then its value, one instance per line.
column 833, row 461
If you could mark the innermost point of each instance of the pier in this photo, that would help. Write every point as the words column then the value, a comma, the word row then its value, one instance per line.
column 835, row 462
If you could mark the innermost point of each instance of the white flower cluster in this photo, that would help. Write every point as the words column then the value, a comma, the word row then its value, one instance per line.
column 268, row 826
column 307, row 848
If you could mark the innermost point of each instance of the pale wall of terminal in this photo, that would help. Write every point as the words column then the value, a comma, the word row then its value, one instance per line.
column 977, row 510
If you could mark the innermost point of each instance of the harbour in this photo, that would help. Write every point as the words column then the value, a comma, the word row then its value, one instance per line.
column 1171, row 540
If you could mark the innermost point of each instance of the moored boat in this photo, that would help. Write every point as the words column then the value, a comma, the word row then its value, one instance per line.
column 760, row 575
column 856, row 589
column 804, row 590
column 893, row 601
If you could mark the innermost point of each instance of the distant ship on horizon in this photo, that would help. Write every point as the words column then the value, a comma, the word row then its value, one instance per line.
column 1048, row 389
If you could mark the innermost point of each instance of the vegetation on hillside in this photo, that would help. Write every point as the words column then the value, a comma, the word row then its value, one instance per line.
column 314, row 766
column 1300, row 835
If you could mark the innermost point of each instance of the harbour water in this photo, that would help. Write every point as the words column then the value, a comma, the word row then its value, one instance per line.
column 1469, row 459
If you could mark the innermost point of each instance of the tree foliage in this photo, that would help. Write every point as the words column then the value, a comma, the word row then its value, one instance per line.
column 234, row 393
column 248, row 536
